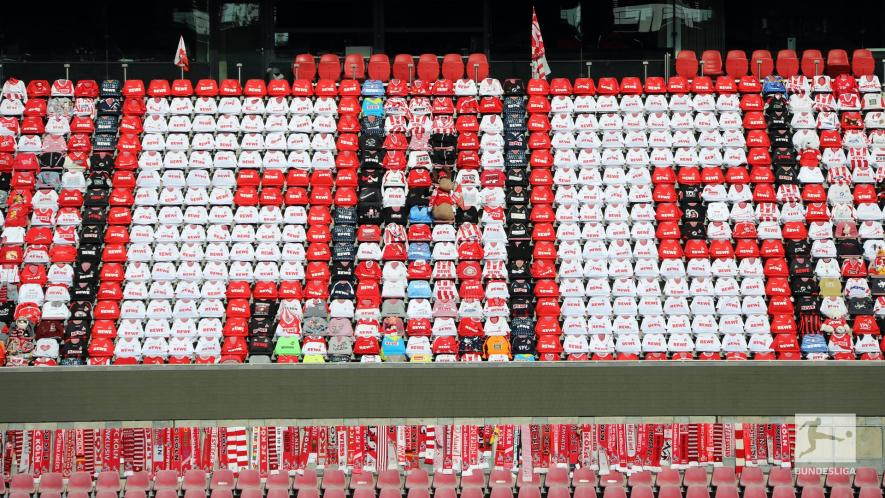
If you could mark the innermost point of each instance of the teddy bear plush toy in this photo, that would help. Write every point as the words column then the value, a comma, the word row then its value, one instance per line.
column 442, row 202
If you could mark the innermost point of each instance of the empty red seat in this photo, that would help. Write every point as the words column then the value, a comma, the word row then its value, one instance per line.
column 472, row 493
column 423, row 492
column 727, row 491
column 779, row 476
column 670, row 492
column 182, row 88
column 787, row 63
column 389, row 479
column 220, row 493
column 533, row 481
column 305, row 67
column 614, row 492
column 584, row 477
column 669, row 477
column 248, row 479
column 613, row 478
column 354, row 66
column 585, row 492
column 195, row 493
column 736, row 64
column 712, row 60
column 500, row 478
column 529, row 492
column 838, row 478
column 724, row 476
column 79, row 481
column 697, row 492
column 641, row 491
column 284, row 493
column 255, row 88
column 391, row 493
column 755, row 491
column 761, row 64
column 702, row 85
column 477, row 66
column 280, row 480
column 230, row 88
column 686, row 64
column 194, row 479
column 643, row 478
column 404, row 67
column 51, row 482
column 207, row 88
column 329, row 67
column 362, row 480
column 222, row 479
column 631, row 85
column 866, row 477
column 417, row 478
column 334, row 479
column 109, row 480
column 159, row 88
column 812, row 62
column 442, row 493
column 252, row 493
column 379, row 67
column 500, row 492
column 783, row 492
column 557, row 476
column 307, row 493
column 452, row 67
column 129, row 493
column 862, row 62
column 808, row 477
column 474, row 479
column 306, row 480
column 870, row 493
column 812, row 492
column 428, row 67
column 364, row 492
column 837, row 62
column 752, row 476
column 842, row 492
column 444, row 480
column 560, row 492
column 695, row 476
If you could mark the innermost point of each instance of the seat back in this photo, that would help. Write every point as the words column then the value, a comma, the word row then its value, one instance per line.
column 736, row 64
column 379, row 67
column 837, row 62
column 404, row 67
column 477, row 66
column 354, row 67
column 428, row 67
column 787, row 63
column 862, row 62
column 712, row 62
column 761, row 64
column 305, row 67
column 452, row 67
column 686, row 64
column 812, row 62
column 329, row 67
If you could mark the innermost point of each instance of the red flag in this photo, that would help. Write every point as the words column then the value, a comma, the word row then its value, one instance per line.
column 181, row 59
column 540, row 68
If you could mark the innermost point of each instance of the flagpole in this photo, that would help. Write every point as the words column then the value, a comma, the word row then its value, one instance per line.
column 182, row 72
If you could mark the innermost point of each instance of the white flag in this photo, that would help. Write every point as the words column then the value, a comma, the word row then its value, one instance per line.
column 540, row 68
column 181, row 59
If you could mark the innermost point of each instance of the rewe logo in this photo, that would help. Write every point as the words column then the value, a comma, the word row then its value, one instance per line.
column 826, row 438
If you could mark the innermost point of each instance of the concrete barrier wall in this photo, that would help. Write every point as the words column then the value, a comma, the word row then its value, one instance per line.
column 440, row 391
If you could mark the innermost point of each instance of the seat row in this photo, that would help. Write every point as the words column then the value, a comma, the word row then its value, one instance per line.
column 788, row 63
column 379, row 67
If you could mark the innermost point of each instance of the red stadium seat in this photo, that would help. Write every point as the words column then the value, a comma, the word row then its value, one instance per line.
column 425, row 493
column 255, row 88
column 195, row 493
column 761, row 64
column 779, row 476
column 697, row 492
column 477, row 66
column 475, row 479
column 159, row 88
column 812, row 62
column 428, row 67
column 529, row 492
column 670, row 492
column 724, row 476
column 736, row 64
column 501, row 478
column 417, row 479
column 220, row 493
column 557, row 476
column 248, row 479
column 712, row 60
column 783, row 492
column 584, row 477
column 809, row 478
column 613, row 478
column 305, row 67
column 812, row 492
column 389, row 479
column 643, row 478
column 641, row 491
column 727, row 491
column 307, row 493
column 752, row 476
column 79, row 481
column 391, row 493
column 354, row 66
column 534, row 480
column 695, row 476
column 614, row 492
column 252, row 493
column 279, row 480
column 51, row 482
column 404, row 67
column 443, row 480
column 870, row 493
column 306, row 480
column 194, row 480
column 379, row 67
column 329, row 67
column 862, row 62
column 837, row 62
column 842, row 492
column 755, row 492
column 362, row 480
column 334, row 479
column 866, row 477
column 165, row 480
column 452, row 67
column 222, row 479
column 585, row 492
column 110, row 481
column 499, row 492
column 838, row 479
column 787, row 63
column 687, row 64
column 560, row 492
column 363, row 492
column 445, row 493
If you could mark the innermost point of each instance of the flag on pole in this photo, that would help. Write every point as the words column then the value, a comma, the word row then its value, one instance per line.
column 540, row 68
column 181, row 59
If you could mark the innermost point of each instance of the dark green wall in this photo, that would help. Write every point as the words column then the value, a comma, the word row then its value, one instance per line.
column 635, row 389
